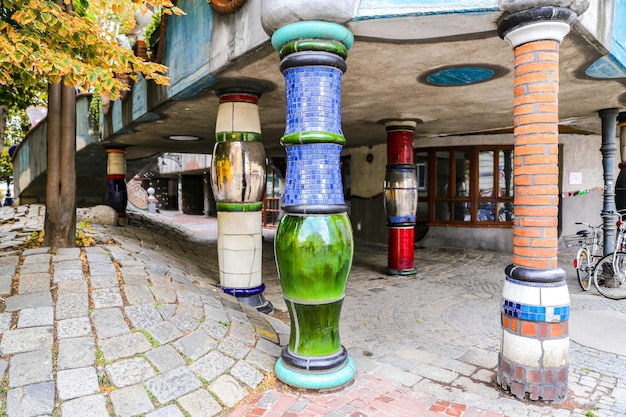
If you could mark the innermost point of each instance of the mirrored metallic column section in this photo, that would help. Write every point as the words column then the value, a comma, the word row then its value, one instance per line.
column 608, row 149
column 116, row 193
column 533, row 361
column 400, row 190
column 314, row 244
column 238, row 183
column 620, row 184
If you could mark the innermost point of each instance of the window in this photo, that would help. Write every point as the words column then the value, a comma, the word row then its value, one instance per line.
column 465, row 185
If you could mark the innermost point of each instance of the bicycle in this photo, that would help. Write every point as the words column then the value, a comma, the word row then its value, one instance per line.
column 609, row 275
column 590, row 251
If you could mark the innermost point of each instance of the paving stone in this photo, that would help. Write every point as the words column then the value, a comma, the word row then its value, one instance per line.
column 190, row 310
column 228, row 390
column 134, row 276
column 173, row 384
column 243, row 331
column 77, row 327
column 214, row 329
column 162, row 294
column 35, row 267
column 31, row 283
column 164, row 332
column 211, row 365
column 480, row 358
column 6, row 285
column 92, row 406
column 102, row 269
column 165, row 358
column 191, row 297
column 30, row 368
column 247, row 374
column 268, row 347
column 138, row 294
column 5, row 321
column 124, row 346
column 130, row 401
column 72, row 287
column 65, row 253
column 26, row 340
column 106, row 297
column 195, row 345
column 76, row 353
column 233, row 348
column 185, row 322
column 31, row 400
column 263, row 360
column 104, row 281
column 200, row 403
column 169, row 411
column 100, row 257
column 32, row 300
column 167, row 311
column 129, row 372
column 79, row 382
column 109, row 322
column 3, row 367
column 217, row 314
column 38, row 316
column 143, row 316
column 71, row 305
column 64, row 275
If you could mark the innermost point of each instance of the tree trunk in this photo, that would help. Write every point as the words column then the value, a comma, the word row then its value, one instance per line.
column 60, row 220
column 4, row 113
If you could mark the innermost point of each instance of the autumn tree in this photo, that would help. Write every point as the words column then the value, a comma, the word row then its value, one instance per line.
column 47, row 41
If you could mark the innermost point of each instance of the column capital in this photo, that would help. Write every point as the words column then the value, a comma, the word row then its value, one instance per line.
column 536, row 24
column 278, row 13
column 400, row 125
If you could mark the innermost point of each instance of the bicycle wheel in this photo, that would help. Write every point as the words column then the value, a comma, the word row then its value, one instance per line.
column 583, row 268
column 609, row 277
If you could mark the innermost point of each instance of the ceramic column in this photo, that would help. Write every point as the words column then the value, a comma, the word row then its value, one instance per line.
column 116, row 193
column 533, row 360
column 314, row 243
column 620, row 184
column 400, row 197
column 238, row 183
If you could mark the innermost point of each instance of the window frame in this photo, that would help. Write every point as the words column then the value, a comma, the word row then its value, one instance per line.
column 502, row 204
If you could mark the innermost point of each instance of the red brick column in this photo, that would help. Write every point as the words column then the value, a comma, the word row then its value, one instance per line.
column 535, row 162
column 533, row 360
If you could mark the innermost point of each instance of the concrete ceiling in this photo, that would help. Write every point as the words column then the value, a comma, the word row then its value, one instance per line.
column 384, row 80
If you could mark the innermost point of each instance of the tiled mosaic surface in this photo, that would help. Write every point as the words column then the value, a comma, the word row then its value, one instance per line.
column 535, row 313
column 313, row 99
column 313, row 175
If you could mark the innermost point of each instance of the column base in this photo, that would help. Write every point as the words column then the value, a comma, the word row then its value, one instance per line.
column 401, row 272
column 317, row 380
column 251, row 296
column 257, row 301
column 525, row 382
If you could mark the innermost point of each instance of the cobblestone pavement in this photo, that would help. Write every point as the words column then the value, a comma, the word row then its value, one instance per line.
column 136, row 326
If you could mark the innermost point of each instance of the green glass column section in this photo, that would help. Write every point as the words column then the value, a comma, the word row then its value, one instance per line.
column 314, row 281
column 314, row 244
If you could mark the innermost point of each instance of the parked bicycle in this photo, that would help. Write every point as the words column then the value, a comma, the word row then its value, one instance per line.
column 609, row 275
column 590, row 251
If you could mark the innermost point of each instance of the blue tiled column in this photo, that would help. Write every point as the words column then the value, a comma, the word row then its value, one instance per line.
column 314, row 244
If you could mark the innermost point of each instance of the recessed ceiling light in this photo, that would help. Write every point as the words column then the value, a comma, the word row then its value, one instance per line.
column 457, row 76
column 183, row 137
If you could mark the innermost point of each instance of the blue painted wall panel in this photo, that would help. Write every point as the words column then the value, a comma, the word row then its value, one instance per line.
column 376, row 9
column 187, row 44
column 618, row 44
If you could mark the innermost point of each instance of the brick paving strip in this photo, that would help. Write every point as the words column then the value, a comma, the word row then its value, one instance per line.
column 367, row 396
